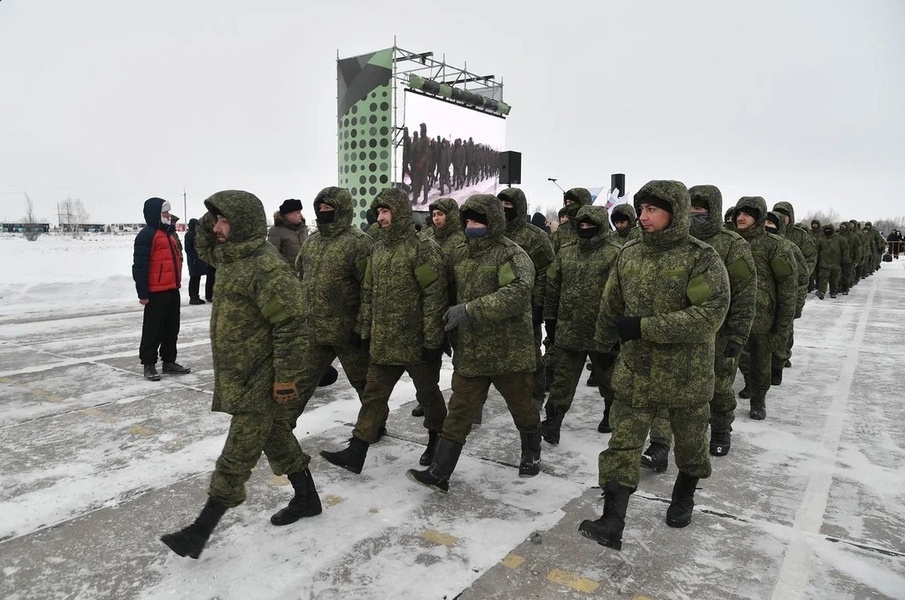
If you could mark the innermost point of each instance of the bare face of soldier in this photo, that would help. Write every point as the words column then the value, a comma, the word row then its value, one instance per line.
column 222, row 229
column 439, row 218
column 622, row 225
column 563, row 219
column 324, row 207
column 785, row 217
column 653, row 218
column 743, row 220
column 384, row 217
column 568, row 202
column 474, row 224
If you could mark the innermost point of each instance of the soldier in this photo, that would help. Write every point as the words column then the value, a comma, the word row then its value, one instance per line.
column 854, row 241
column 842, row 231
column 830, row 257
column 446, row 227
column 537, row 245
column 572, row 201
column 404, row 297
column 331, row 266
column 625, row 221
column 777, row 295
column 799, row 236
column 664, row 301
column 575, row 283
column 706, row 208
column 490, row 326
column 878, row 247
column 729, row 218
column 255, row 326
column 289, row 230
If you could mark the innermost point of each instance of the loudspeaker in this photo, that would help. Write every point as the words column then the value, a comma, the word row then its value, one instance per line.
column 510, row 167
column 617, row 180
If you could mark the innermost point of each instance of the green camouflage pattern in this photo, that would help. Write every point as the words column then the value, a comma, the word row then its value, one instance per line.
column 494, row 279
column 804, row 274
column 798, row 235
column 382, row 379
column 679, row 287
column 533, row 240
column 257, row 320
column 565, row 233
column 634, row 231
column 831, row 249
column 570, row 367
column 404, row 292
column 451, row 235
column 575, row 282
column 469, row 394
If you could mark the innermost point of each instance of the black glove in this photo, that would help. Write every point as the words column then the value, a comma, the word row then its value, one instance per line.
column 550, row 326
column 733, row 349
column 537, row 315
column 431, row 355
column 629, row 328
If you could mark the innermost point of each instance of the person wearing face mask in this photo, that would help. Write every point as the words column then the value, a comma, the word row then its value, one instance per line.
column 666, row 297
column 575, row 282
column 777, row 297
column 844, row 241
column 403, row 298
column 706, row 208
column 830, row 253
column 625, row 221
column 798, row 235
column 157, row 272
column 492, row 337
column 331, row 266
column 572, row 200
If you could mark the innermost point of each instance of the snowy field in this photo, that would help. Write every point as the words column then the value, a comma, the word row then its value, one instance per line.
column 98, row 463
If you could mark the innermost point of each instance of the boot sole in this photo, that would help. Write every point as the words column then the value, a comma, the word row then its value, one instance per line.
column 336, row 464
column 614, row 544
column 169, row 544
column 429, row 486
column 677, row 524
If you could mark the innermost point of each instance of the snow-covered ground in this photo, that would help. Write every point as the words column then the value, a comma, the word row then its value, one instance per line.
column 98, row 463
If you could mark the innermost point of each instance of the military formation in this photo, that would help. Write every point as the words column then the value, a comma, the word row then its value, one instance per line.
column 666, row 298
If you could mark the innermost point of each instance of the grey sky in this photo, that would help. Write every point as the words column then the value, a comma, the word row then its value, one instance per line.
column 112, row 101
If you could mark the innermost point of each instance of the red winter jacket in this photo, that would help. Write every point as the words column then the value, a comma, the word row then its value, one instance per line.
column 165, row 264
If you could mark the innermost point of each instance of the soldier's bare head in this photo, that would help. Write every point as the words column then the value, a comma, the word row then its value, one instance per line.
column 222, row 229
column 439, row 218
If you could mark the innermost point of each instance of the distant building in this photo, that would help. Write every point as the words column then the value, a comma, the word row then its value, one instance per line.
column 125, row 227
column 23, row 227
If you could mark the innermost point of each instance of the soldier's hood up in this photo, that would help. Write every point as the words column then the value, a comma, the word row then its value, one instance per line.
column 247, row 221
column 712, row 199
column 580, row 197
column 752, row 202
column 403, row 224
column 491, row 207
column 787, row 209
column 152, row 211
column 453, row 221
column 628, row 211
column 520, row 202
column 780, row 222
column 599, row 217
column 341, row 201
column 676, row 195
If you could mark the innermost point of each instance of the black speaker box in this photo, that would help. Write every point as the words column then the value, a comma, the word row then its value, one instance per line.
column 617, row 180
column 510, row 167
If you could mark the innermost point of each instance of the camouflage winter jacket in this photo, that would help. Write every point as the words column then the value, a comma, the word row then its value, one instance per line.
column 404, row 293
column 533, row 240
column 854, row 242
column 842, row 232
column 777, row 274
column 256, row 321
column 565, row 233
column 804, row 275
column 798, row 235
column 633, row 232
column 493, row 278
column 736, row 256
column 830, row 249
column 576, row 279
column 331, row 266
column 451, row 234
column 679, row 287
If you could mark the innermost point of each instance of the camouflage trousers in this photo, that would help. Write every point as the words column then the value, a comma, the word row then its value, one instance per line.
column 722, row 405
column 622, row 458
column 469, row 394
column 830, row 276
column 845, row 280
column 379, row 386
column 317, row 358
column 756, row 363
column 782, row 348
column 569, row 369
column 249, row 435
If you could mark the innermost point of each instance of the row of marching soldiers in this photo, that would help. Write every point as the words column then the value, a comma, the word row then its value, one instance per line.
column 663, row 310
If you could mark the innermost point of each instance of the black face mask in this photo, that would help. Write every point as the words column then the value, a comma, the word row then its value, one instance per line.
column 771, row 228
column 827, row 232
column 326, row 216
column 587, row 233
column 511, row 213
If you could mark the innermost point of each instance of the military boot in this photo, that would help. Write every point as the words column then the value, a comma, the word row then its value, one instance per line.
column 418, row 411
column 592, row 378
column 433, row 437
column 759, row 407
column 720, row 442
column 604, row 425
column 305, row 503
column 437, row 475
column 151, row 373
column 656, row 457
column 529, row 466
column 607, row 530
column 745, row 393
column 189, row 541
column 821, row 295
column 549, row 427
column 776, row 376
column 679, row 512
column 174, row 368
column 352, row 458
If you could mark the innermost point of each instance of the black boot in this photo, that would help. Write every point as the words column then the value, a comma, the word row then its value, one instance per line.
column 656, row 457
column 174, row 368
column 305, row 503
column 720, row 442
column 607, row 530
column 604, row 425
column 530, row 462
column 549, row 427
column 592, row 378
column 437, row 475
column 151, row 373
column 190, row 541
column 352, row 458
column 776, row 376
column 758, row 407
column 679, row 512
column 196, row 300
column 433, row 437
column 418, row 411
column 746, row 392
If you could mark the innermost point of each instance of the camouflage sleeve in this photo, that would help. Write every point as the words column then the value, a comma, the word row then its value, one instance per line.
column 809, row 250
column 432, row 276
column 804, row 277
column 612, row 306
column 785, row 273
column 856, row 250
column 554, row 289
column 206, row 240
column 743, row 291
column 846, row 251
column 541, row 255
column 515, row 278
column 276, row 293
column 707, row 292
column 363, row 326
column 362, row 254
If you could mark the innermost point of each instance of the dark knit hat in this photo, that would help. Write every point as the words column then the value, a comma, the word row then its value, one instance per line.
column 658, row 202
column 772, row 217
column 472, row 215
column 751, row 211
column 290, row 206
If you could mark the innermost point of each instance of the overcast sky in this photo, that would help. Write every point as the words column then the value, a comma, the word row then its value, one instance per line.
column 113, row 102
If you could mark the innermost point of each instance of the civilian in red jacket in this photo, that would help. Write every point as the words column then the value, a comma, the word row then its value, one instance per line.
column 157, row 271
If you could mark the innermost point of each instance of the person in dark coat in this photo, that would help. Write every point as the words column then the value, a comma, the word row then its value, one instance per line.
column 197, row 268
